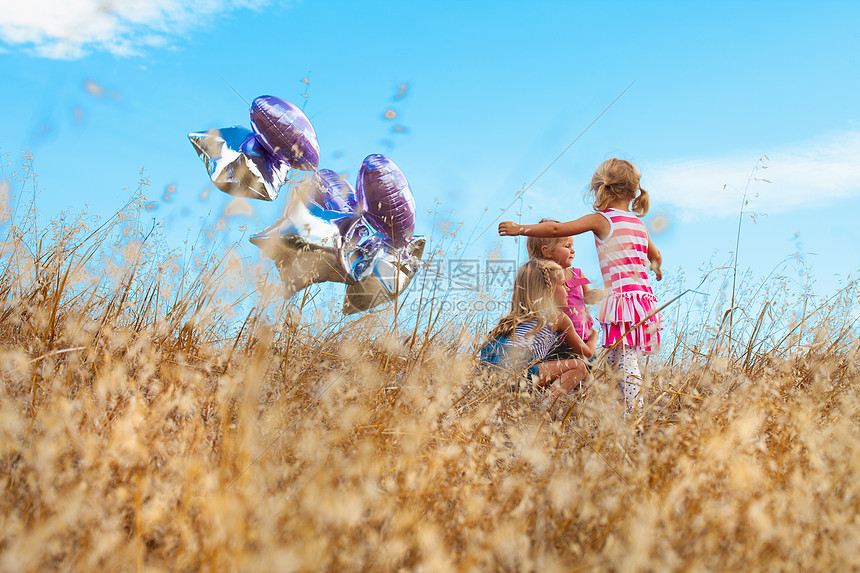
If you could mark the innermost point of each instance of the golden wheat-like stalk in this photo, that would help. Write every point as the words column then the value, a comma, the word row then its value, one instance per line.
column 146, row 425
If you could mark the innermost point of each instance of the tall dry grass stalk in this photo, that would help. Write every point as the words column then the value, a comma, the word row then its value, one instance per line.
column 145, row 427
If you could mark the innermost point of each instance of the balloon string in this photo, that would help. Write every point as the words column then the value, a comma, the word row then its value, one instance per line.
column 237, row 93
column 522, row 191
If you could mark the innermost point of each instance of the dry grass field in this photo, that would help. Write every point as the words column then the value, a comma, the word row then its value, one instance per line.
column 147, row 425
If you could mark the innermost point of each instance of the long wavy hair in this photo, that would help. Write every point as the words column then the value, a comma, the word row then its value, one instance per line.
column 532, row 298
column 618, row 178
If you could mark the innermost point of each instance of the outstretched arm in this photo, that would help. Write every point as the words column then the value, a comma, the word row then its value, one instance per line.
column 656, row 259
column 595, row 223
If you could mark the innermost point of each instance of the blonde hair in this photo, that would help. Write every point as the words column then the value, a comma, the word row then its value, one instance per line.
column 535, row 245
column 618, row 179
column 533, row 296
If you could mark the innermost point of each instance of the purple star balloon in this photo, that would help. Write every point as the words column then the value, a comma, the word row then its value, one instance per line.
column 286, row 132
column 329, row 231
column 334, row 194
column 388, row 202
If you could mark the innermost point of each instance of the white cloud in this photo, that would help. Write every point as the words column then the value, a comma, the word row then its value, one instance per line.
column 819, row 172
column 69, row 29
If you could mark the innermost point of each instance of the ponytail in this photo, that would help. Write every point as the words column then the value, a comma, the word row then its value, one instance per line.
column 505, row 327
column 618, row 179
column 641, row 203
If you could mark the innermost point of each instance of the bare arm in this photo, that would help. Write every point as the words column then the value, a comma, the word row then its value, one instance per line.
column 656, row 259
column 591, row 296
column 573, row 340
column 592, row 341
column 595, row 223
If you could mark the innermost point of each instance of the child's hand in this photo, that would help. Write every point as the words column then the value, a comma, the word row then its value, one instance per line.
column 593, row 296
column 509, row 229
column 656, row 259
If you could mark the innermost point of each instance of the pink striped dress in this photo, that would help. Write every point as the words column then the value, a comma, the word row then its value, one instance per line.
column 623, row 258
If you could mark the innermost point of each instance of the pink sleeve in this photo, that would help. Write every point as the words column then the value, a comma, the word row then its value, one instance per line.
column 577, row 279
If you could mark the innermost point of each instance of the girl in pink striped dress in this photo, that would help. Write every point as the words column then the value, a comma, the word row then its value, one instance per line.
column 628, row 315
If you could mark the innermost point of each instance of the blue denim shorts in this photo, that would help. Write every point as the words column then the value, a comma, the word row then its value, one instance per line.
column 496, row 354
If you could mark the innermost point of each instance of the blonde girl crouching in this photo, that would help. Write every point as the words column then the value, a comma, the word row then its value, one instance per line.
column 524, row 336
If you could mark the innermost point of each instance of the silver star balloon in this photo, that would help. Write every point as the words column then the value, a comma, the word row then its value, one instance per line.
column 307, row 248
column 391, row 272
column 238, row 164
column 358, row 245
column 302, row 245
column 329, row 231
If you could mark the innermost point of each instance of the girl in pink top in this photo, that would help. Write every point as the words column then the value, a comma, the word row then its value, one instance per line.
column 628, row 314
column 560, row 250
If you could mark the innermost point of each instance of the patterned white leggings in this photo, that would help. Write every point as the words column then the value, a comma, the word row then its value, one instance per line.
column 623, row 360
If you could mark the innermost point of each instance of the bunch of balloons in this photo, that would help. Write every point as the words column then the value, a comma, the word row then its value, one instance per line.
column 362, row 236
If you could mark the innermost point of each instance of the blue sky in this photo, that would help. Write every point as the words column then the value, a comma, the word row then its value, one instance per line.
column 494, row 92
